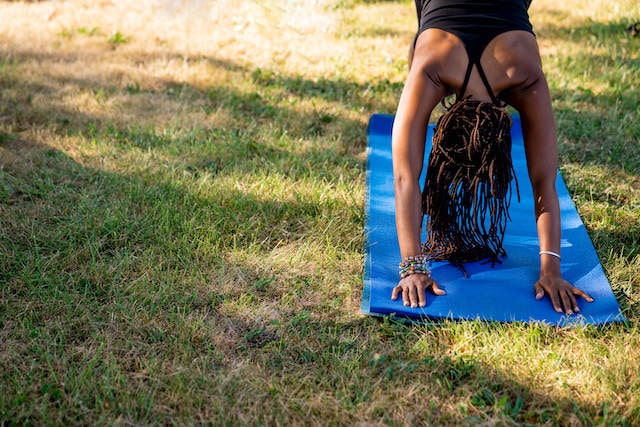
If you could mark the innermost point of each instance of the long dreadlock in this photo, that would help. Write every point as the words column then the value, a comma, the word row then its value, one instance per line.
column 467, row 189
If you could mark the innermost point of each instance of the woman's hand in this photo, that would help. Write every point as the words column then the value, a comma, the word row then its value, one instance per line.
column 562, row 293
column 414, row 288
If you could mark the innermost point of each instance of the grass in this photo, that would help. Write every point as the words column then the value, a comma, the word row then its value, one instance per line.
column 181, row 221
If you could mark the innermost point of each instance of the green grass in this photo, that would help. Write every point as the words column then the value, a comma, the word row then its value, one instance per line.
column 181, row 231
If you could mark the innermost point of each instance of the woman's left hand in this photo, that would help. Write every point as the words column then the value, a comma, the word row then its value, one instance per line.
column 562, row 293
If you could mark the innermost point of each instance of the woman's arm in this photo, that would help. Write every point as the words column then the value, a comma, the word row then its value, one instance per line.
column 533, row 101
column 420, row 95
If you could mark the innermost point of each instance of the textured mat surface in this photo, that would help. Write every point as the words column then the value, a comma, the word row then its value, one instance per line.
column 503, row 293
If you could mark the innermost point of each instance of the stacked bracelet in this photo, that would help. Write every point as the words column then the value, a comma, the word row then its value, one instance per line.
column 557, row 255
column 414, row 265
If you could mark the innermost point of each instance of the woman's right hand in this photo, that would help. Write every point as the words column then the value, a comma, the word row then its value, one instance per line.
column 414, row 290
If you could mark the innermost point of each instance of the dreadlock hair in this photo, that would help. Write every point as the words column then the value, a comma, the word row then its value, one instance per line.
column 467, row 189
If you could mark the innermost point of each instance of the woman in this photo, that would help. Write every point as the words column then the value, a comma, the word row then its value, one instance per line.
column 484, row 52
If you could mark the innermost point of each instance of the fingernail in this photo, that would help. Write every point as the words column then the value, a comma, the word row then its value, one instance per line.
column 414, row 305
column 406, row 304
column 569, row 312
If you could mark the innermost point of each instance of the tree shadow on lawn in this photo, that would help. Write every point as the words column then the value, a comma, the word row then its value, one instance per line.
column 372, row 371
column 102, row 283
column 19, row 112
column 600, row 130
column 109, row 276
column 254, row 108
column 89, row 303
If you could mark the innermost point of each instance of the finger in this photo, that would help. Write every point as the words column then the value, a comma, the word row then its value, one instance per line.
column 413, row 296
column 539, row 290
column 555, row 301
column 405, row 298
column 574, row 304
column 437, row 289
column 583, row 294
column 422, row 297
column 395, row 292
column 568, row 302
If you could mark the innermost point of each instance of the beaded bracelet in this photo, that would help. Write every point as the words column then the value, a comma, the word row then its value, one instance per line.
column 414, row 265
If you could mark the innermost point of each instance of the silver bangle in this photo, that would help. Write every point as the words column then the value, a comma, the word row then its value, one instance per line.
column 550, row 253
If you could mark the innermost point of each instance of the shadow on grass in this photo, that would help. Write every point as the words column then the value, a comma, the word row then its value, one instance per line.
column 112, row 282
column 261, row 106
column 108, row 315
column 394, row 385
column 599, row 137
column 116, row 308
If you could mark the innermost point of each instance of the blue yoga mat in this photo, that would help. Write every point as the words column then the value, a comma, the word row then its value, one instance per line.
column 503, row 293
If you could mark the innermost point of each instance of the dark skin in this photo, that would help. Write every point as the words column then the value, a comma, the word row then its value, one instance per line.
column 514, row 68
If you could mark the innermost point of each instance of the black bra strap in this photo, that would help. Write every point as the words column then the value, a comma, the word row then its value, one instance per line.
column 467, row 75
column 483, row 76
